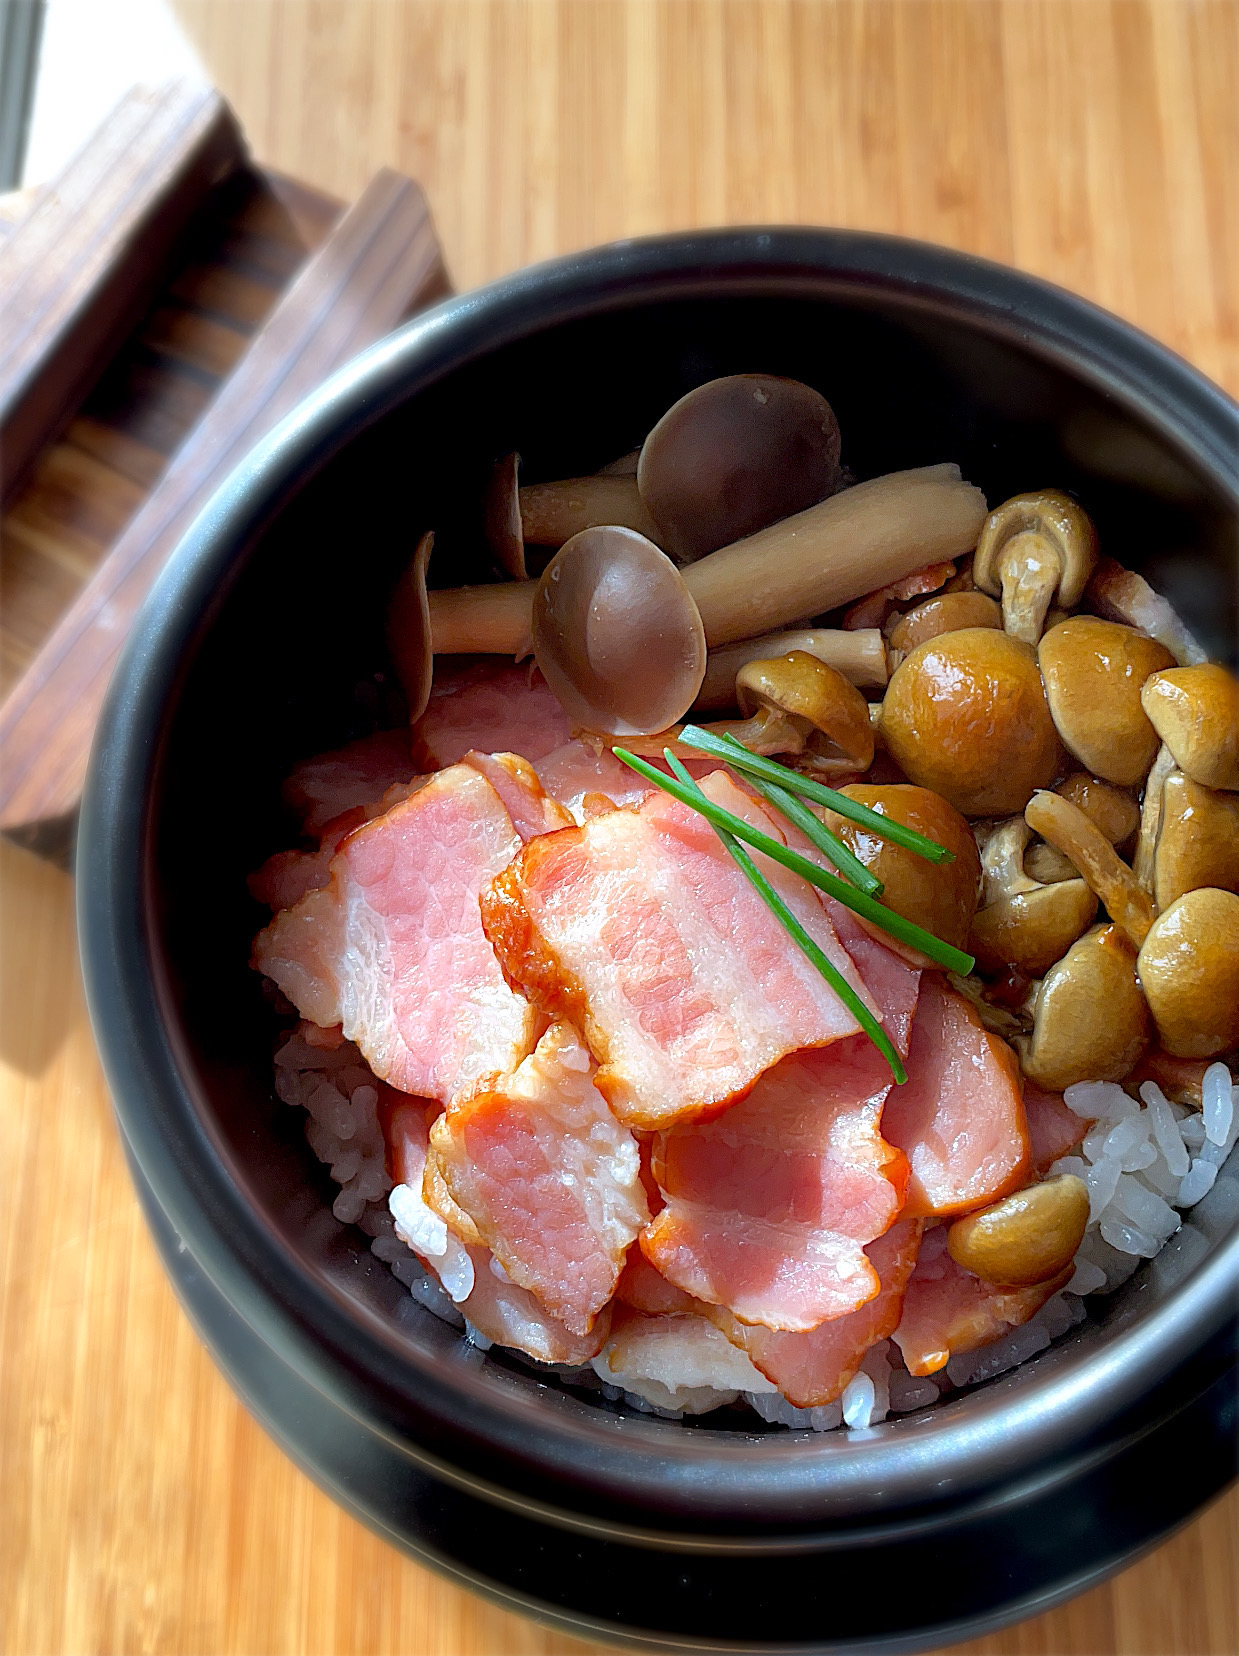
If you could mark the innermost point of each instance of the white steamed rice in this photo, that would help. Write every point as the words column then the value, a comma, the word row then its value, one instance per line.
column 1144, row 1163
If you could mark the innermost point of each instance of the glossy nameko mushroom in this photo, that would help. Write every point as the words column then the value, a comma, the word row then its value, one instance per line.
column 1021, row 922
column 1198, row 844
column 949, row 612
column 1034, row 549
column 734, row 455
column 616, row 634
column 1090, row 1022
column 940, row 898
column 1111, row 809
column 1067, row 828
column 1189, row 966
column 1195, row 711
column 1094, row 672
column 1027, row 1237
column 859, row 656
column 965, row 715
column 828, row 716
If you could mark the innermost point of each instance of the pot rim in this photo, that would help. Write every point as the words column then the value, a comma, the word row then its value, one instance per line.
column 579, row 1463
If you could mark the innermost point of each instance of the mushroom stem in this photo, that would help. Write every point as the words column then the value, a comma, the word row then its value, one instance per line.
column 489, row 620
column 551, row 513
column 1066, row 827
column 1029, row 568
column 860, row 656
column 1145, row 860
column 843, row 547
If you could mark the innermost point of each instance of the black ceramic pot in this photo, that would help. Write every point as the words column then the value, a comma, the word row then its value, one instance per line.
column 250, row 654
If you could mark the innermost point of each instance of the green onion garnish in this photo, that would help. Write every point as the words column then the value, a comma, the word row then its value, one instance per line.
column 817, row 833
column 867, row 907
column 796, row 931
column 735, row 753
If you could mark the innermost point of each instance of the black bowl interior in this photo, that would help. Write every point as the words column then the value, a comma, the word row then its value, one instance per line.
column 290, row 658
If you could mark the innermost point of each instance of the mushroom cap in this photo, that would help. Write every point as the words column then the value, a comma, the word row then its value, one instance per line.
column 617, row 634
column 409, row 639
column 502, row 516
column 1029, row 1236
column 1064, row 528
column 965, row 715
column 949, row 612
column 805, row 688
column 1189, row 966
column 1030, row 930
column 1199, row 840
column 736, row 454
column 1114, row 812
column 1094, row 671
column 1195, row 711
column 1091, row 1021
column 940, row 897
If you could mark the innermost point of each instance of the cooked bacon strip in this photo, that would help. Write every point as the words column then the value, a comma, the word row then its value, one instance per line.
column 492, row 707
column 548, row 1176
column 1053, row 1129
column 500, row 1310
column 947, row 1310
column 532, row 809
column 325, row 787
column 813, row 1368
column 393, row 948
column 959, row 1118
column 582, row 771
column 872, row 610
column 641, row 928
column 770, row 1205
column 676, row 1362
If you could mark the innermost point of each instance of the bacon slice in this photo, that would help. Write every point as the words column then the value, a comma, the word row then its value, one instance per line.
column 325, row 787
column 947, row 1310
column 581, row 772
column 497, row 1308
column 677, row 1362
column 492, row 707
column 1053, row 1129
column 514, row 779
column 814, row 1368
column 960, row 1118
column 641, row 928
column 548, row 1176
column 770, row 1205
column 872, row 610
column 393, row 948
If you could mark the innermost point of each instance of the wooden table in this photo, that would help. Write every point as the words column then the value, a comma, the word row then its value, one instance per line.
column 1094, row 143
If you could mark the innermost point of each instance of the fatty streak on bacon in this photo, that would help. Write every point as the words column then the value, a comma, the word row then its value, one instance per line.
column 323, row 788
column 500, row 1310
column 493, row 708
column 770, row 1205
column 679, row 1362
column 814, row 1368
column 581, row 771
column 393, row 949
column 960, row 1118
column 640, row 927
column 947, row 1310
column 548, row 1176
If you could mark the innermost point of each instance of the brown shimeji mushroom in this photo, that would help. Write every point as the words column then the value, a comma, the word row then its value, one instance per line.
column 1189, row 966
column 965, row 714
column 551, row 513
column 1090, row 1021
column 1035, row 548
column 826, row 718
column 616, row 633
column 734, row 455
column 941, row 898
column 1093, row 672
column 1198, row 844
column 1195, row 711
column 859, row 656
column 408, row 630
column 1027, row 1237
column 1021, row 922
column 502, row 517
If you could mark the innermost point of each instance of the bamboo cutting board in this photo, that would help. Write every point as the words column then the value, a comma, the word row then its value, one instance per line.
column 1092, row 141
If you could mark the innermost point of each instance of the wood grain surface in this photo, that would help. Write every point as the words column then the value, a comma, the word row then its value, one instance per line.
column 1095, row 143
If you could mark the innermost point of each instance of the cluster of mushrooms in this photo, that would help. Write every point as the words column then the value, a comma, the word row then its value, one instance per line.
column 1042, row 711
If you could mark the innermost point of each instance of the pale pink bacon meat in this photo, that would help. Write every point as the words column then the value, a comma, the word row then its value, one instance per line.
column 492, row 707
column 583, row 771
column 548, row 1176
column 532, row 809
column 770, row 1205
column 640, row 928
column 814, row 1368
column 1053, row 1129
column 393, row 949
column 325, row 787
column 947, row 1310
column 497, row 1308
column 960, row 1118
column 680, row 1362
